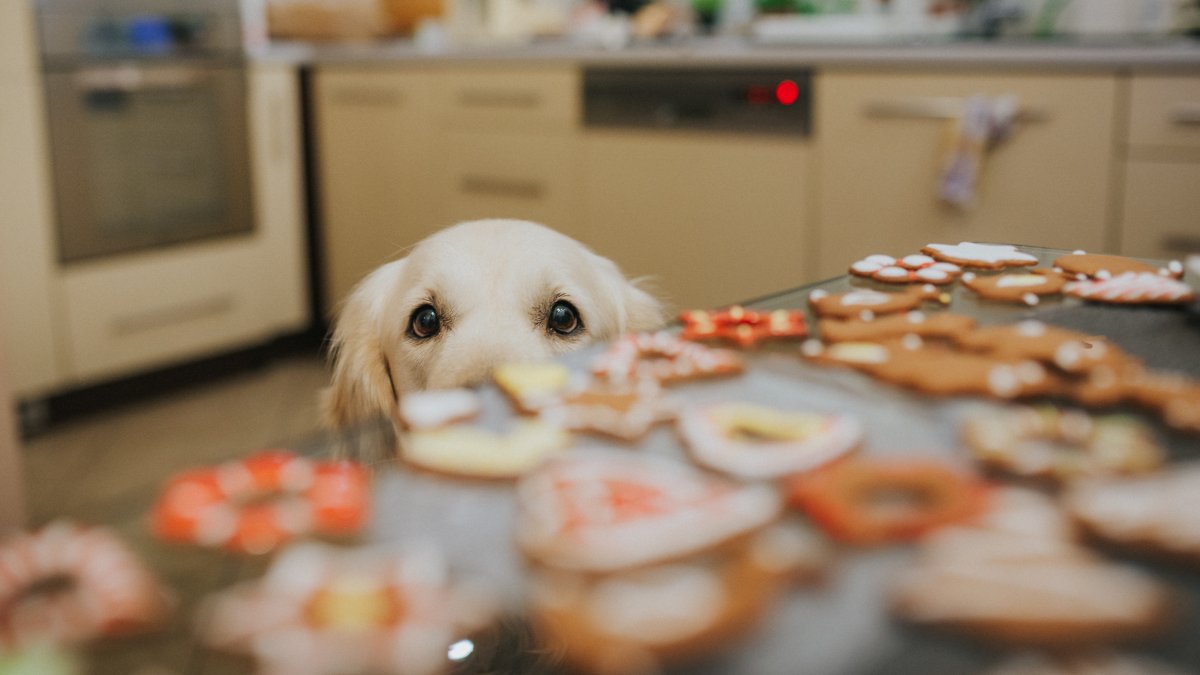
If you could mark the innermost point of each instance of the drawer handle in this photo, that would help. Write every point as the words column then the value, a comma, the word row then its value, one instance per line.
column 368, row 96
column 1181, row 243
column 494, row 98
column 1187, row 115
column 194, row 311
column 937, row 108
column 502, row 187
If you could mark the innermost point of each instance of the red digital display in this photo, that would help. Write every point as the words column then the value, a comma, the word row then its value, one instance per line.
column 787, row 92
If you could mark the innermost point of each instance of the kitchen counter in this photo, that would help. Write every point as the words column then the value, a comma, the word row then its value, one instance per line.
column 721, row 52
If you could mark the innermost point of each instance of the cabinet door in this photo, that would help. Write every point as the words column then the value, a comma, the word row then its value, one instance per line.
column 882, row 141
column 1165, row 116
column 378, row 157
column 1161, row 216
column 713, row 219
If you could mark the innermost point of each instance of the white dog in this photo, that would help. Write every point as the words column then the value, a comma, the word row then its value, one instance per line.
column 469, row 298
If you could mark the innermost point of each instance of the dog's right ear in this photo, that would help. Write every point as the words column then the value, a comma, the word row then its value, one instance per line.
column 362, row 387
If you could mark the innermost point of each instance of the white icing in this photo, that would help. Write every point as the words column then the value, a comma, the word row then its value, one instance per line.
column 1031, row 329
column 866, row 315
column 1003, row 381
column 818, row 294
column 916, row 261
column 1030, row 299
column 969, row 276
column 892, row 273
column 864, row 267
column 932, row 274
column 1021, row 281
column 865, row 297
column 429, row 409
column 859, row 352
column 916, row 316
column 912, row 341
column 986, row 253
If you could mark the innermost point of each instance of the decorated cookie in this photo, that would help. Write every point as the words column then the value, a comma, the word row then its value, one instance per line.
column 756, row 442
column 433, row 409
column 321, row 609
column 1068, row 350
column 936, row 325
column 1026, row 586
column 864, row 355
column 67, row 584
column 987, row 256
column 602, row 511
column 1061, row 445
column 1153, row 514
column 743, row 327
column 1025, row 287
column 1133, row 288
column 940, row 371
column 256, row 504
column 625, row 411
column 477, row 453
column 909, row 269
column 1096, row 266
column 663, row 357
column 530, row 386
column 865, row 303
column 875, row 501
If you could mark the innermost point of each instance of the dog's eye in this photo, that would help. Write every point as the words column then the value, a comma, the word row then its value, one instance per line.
column 564, row 318
column 424, row 322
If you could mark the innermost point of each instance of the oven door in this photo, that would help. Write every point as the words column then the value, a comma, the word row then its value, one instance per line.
column 147, row 156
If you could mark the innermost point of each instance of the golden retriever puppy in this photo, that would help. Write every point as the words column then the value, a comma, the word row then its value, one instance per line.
column 466, row 299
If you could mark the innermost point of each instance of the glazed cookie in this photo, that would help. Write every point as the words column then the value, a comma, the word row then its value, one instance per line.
column 1026, row 287
column 1153, row 514
column 909, row 269
column 1061, row 445
column 477, row 453
column 1133, row 288
column 870, row 501
column 865, row 303
column 755, row 442
column 1068, row 350
column 663, row 357
column 1082, row 265
column 623, row 411
column 987, row 256
column 937, row 325
column 602, row 511
column 433, row 409
column 743, row 327
column 530, row 386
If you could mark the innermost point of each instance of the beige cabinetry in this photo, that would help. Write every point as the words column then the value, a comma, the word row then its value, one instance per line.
column 712, row 218
column 1160, row 212
column 882, row 141
column 380, row 162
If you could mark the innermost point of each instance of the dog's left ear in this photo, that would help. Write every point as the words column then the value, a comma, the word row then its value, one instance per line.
column 643, row 311
column 362, row 386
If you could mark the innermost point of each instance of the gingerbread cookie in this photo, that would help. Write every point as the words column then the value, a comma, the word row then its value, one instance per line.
column 743, row 327
column 1133, row 288
column 602, row 511
column 859, row 355
column 1153, row 514
column 937, row 325
column 433, row 409
column 477, row 453
column 530, row 386
column 909, row 269
column 1061, row 445
column 625, row 411
column 663, row 357
column 870, row 501
column 1174, row 397
column 865, row 303
column 1025, row 288
column 940, row 371
column 987, row 256
column 756, row 442
column 1068, row 350
column 1081, row 265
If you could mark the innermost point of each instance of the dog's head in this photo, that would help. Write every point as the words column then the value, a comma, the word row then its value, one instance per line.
column 468, row 298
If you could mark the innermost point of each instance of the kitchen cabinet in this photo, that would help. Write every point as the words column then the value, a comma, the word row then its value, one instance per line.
column 1160, row 212
column 881, row 141
column 380, row 166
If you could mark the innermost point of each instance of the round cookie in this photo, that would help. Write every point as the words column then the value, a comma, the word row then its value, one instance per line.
column 755, row 442
column 1025, row 287
column 1133, row 288
column 743, row 327
column 936, row 325
column 622, row 411
column 909, row 269
column 987, row 256
column 1068, row 350
column 1099, row 266
column 530, row 386
column 867, row 303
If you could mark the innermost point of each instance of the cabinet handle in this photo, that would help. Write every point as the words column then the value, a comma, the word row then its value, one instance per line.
column 1181, row 243
column 937, row 108
column 367, row 96
column 1187, row 115
column 497, row 98
column 496, row 186
column 158, row 318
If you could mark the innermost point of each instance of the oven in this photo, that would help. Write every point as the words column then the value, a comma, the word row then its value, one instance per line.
column 147, row 118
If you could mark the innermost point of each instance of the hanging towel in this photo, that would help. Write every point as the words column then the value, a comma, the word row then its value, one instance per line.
column 985, row 122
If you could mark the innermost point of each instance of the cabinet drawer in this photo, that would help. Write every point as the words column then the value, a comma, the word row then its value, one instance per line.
column 1161, row 218
column 511, row 99
column 130, row 314
column 513, row 176
column 1165, row 112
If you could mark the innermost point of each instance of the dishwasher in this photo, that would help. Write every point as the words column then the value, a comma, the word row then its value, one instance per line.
column 698, row 178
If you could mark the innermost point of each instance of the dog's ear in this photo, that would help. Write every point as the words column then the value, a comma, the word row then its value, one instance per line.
column 643, row 311
column 362, row 387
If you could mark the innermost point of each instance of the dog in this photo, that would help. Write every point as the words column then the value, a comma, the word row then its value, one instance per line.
column 466, row 299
